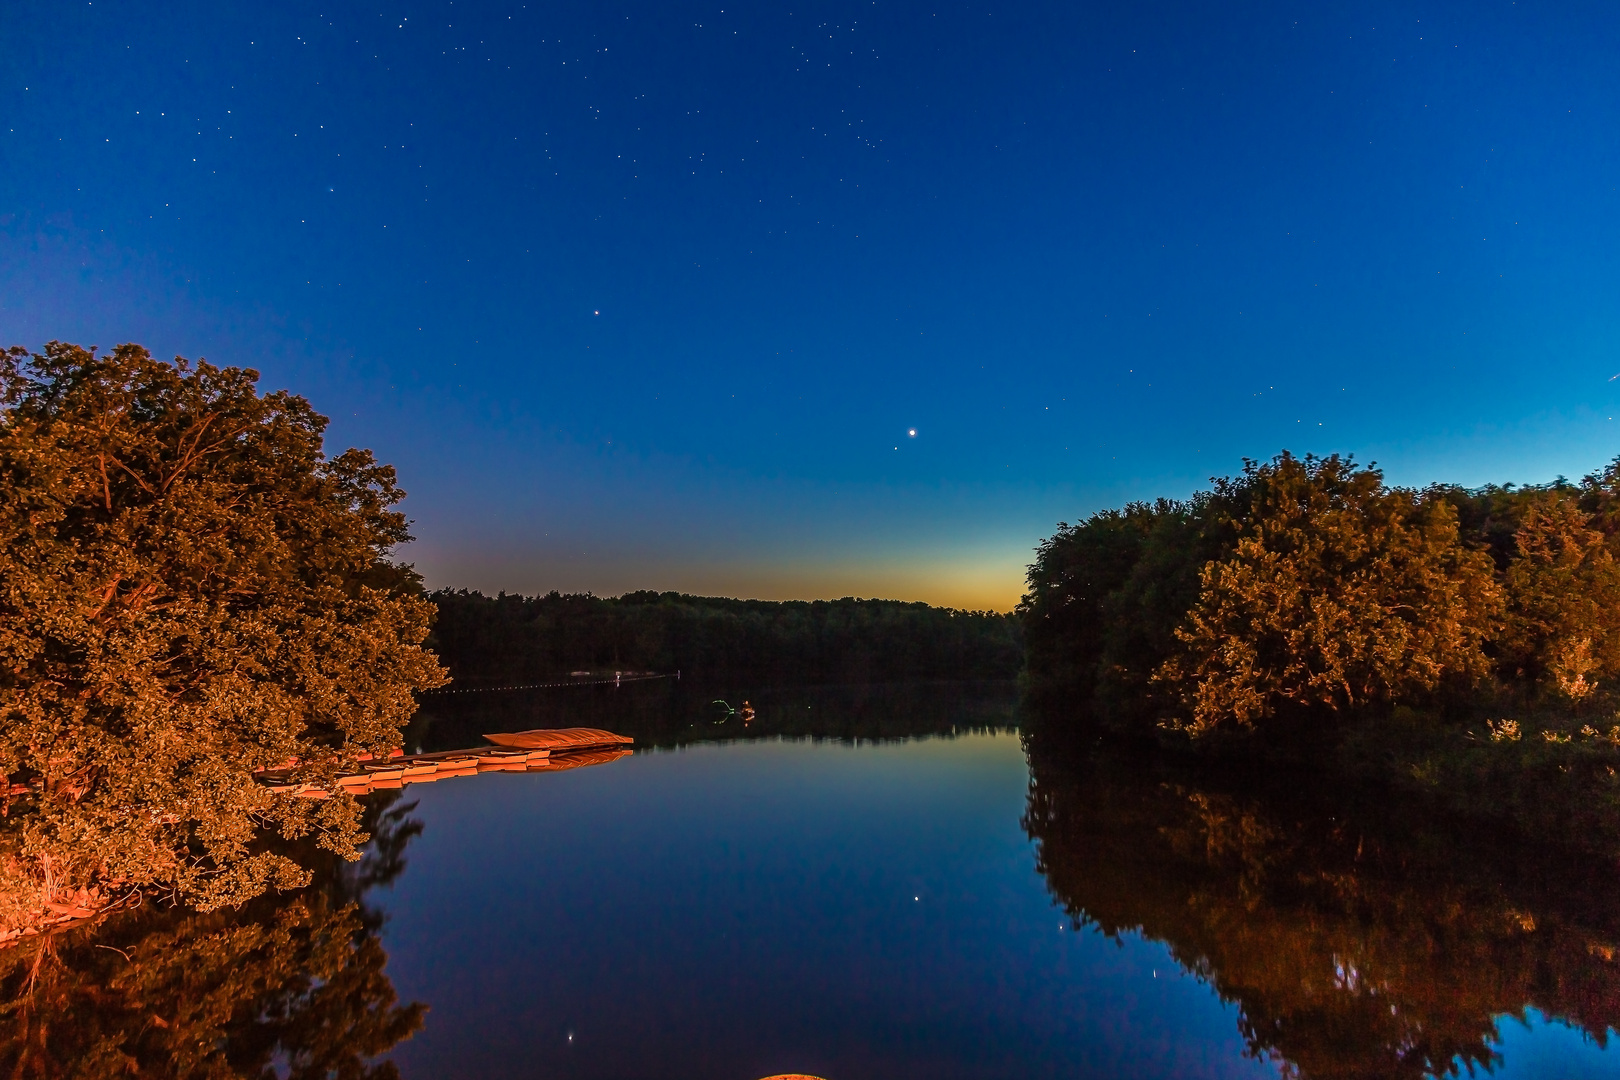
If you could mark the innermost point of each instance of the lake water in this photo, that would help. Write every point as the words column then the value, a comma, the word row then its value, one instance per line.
column 866, row 884
column 914, row 907
column 757, row 908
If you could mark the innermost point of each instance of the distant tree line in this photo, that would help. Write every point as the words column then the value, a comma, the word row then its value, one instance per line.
column 1306, row 591
column 494, row 640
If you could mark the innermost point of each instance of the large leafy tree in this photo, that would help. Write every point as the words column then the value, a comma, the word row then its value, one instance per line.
column 1563, row 591
column 1340, row 593
column 190, row 590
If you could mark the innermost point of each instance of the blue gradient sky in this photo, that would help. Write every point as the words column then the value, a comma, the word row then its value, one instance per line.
column 649, row 296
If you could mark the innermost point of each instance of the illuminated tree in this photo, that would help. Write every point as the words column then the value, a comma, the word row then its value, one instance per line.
column 189, row 590
column 1339, row 593
column 1563, row 598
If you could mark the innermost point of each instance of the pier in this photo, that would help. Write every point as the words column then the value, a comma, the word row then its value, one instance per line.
column 542, row 750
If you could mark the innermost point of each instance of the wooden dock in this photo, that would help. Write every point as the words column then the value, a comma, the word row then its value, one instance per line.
column 543, row 750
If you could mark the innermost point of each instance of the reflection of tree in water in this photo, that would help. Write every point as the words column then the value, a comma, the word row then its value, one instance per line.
column 669, row 713
column 291, row 985
column 1355, row 942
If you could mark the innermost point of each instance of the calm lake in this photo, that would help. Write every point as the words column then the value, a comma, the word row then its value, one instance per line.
column 734, row 904
column 862, row 884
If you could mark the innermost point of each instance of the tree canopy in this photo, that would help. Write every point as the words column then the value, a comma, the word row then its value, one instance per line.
column 1338, row 592
column 190, row 590
column 1308, row 589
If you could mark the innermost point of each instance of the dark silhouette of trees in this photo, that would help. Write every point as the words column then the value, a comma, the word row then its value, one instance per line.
column 489, row 641
column 669, row 712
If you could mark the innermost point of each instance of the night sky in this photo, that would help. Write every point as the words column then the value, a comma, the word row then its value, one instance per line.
column 819, row 299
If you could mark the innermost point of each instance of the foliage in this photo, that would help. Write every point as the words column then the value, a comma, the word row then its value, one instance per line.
column 507, row 639
column 189, row 590
column 1553, row 777
column 1564, row 593
column 1306, row 591
column 1096, row 580
column 1339, row 592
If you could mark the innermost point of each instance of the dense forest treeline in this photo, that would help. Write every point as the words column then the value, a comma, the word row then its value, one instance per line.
column 494, row 640
column 1307, row 591
column 1459, row 646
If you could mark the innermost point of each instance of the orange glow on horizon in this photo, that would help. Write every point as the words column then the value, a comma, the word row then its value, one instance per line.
column 988, row 582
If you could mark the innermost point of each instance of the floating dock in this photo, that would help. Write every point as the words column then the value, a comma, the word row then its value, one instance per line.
column 541, row 750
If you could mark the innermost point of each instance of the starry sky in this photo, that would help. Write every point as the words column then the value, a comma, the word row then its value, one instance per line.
column 836, row 298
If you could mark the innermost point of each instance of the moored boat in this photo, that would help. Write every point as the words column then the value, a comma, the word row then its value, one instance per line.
column 560, row 740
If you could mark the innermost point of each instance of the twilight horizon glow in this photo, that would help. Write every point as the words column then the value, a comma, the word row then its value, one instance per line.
column 811, row 300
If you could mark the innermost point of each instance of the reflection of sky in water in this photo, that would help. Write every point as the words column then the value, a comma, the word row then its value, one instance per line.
column 1542, row 1049
column 744, row 909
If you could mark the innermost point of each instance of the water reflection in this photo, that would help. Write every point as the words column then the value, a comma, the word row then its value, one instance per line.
column 285, row 986
column 1358, row 938
column 295, row 984
column 873, row 913
column 672, row 713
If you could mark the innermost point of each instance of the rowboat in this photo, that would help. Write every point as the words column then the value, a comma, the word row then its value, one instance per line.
column 560, row 740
